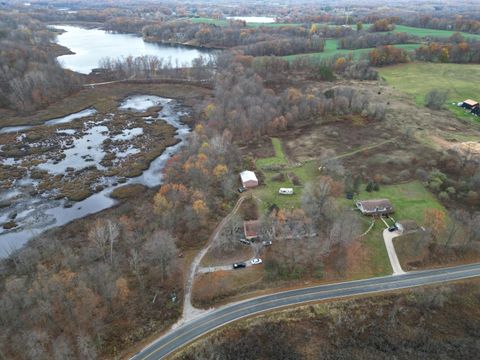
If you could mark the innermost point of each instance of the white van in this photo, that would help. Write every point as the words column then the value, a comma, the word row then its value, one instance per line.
column 285, row 191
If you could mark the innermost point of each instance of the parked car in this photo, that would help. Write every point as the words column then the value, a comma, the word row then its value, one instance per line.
column 256, row 261
column 244, row 241
column 239, row 265
column 266, row 243
column 393, row 228
column 241, row 189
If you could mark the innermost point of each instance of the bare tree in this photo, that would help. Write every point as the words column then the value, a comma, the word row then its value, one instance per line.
column 103, row 234
column 159, row 250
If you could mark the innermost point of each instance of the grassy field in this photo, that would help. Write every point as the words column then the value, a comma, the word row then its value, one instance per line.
column 331, row 50
column 410, row 201
column 268, row 193
column 418, row 78
column 421, row 32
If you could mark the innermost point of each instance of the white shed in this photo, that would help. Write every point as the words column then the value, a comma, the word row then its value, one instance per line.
column 249, row 179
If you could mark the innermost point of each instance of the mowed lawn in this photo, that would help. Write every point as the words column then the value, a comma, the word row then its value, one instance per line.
column 268, row 192
column 410, row 201
column 418, row 78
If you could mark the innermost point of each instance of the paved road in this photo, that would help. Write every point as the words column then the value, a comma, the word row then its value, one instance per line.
column 189, row 331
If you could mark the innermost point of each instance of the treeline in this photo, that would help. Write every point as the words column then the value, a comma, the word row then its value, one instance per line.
column 30, row 76
column 285, row 46
column 463, row 52
column 235, row 34
column 369, row 40
column 152, row 67
column 458, row 24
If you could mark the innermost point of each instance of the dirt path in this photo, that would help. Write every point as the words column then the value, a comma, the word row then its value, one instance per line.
column 189, row 311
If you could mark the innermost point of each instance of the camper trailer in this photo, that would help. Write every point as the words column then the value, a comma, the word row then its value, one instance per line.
column 285, row 191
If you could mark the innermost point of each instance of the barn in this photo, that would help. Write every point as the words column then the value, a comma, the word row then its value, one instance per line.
column 375, row 207
column 470, row 104
column 249, row 179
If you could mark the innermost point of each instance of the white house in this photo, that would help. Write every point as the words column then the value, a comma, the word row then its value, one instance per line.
column 249, row 179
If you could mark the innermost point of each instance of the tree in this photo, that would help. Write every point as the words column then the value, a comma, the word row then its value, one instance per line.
column 434, row 219
column 103, row 234
column 316, row 199
column 160, row 250
column 359, row 26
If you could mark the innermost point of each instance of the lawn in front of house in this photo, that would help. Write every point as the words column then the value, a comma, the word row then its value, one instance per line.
column 410, row 200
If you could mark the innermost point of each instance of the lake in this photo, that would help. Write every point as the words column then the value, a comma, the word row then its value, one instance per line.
column 92, row 45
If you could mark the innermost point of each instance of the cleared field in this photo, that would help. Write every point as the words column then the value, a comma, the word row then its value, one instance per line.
column 331, row 50
column 271, row 167
column 418, row 78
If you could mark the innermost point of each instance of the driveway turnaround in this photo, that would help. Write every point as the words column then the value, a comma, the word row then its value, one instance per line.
column 392, row 255
column 189, row 331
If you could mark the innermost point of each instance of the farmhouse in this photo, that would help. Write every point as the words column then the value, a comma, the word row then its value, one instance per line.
column 470, row 104
column 249, row 179
column 375, row 207
column 251, row 228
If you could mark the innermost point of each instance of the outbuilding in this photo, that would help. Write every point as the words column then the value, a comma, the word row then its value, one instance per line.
column 375, row 207
column 251, row 229
column 470, row 104
column 407, row 226
column 249, row 179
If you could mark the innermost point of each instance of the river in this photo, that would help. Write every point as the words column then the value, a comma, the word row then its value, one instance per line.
column 92, row 45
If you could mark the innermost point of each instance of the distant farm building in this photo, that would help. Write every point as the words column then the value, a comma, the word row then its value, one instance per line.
column 470, row 104
column 375, row 207
column 251, row 229
column 249, row 179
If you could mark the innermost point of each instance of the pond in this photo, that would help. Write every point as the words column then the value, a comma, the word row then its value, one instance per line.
column 92, row 45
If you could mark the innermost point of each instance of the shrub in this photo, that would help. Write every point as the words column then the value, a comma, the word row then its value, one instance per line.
column 436, row 98
column 279, row 177
column 369, row 187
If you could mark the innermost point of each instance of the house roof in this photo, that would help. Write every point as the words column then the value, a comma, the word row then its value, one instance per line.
column 470, row 102
column 251, row 228
column 373, row 205
column 248, row 175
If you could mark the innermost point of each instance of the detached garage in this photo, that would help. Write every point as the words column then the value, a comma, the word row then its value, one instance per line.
column 249, row 179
